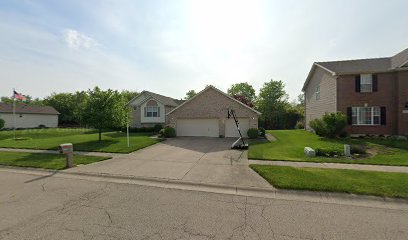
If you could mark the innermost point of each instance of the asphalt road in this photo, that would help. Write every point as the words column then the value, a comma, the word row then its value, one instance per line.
column 33, row 207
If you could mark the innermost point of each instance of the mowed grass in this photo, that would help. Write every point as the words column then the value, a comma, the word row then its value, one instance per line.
column 82, row 139
column 290, row 145
column 43, row 160
column 336, row 180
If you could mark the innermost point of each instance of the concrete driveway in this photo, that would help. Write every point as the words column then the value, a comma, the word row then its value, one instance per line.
column 192, row 159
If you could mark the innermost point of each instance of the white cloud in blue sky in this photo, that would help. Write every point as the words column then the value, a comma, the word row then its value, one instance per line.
column 170, row 47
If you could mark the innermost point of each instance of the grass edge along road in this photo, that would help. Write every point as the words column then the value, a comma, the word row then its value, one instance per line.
column 290, row 144
column 82, row 139
column 43, row 160
column 382, row 184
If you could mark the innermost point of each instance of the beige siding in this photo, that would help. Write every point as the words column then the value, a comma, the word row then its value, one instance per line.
column 327, row 102
column 136, row 113
column 212, row 104
column 29, row 120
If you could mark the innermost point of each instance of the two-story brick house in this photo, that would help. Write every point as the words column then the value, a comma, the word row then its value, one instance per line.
column 373, row 93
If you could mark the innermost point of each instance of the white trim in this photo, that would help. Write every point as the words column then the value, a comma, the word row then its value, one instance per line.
column 205, row 89
column 144, row 92
column 330, row 71
column 402, row 65
column 372, row 116
column 311, row 73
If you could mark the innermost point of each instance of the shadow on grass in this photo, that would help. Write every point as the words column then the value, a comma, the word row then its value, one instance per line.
column 94, row 145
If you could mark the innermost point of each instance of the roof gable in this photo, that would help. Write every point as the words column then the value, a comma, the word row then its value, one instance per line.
column 210, row 87
column 145, row 95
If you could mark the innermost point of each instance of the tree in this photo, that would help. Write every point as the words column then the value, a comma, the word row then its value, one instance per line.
column 272, row 103
column 128, row 95
column 65, row 104
column 242, row 89
column 105, row 109
column 2, row 123
column 244, row 100
column 190, row 94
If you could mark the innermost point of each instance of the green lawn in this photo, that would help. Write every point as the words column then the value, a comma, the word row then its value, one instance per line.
column 290, row 145
column 336, row 180
column 82, row 139
column 43, row 160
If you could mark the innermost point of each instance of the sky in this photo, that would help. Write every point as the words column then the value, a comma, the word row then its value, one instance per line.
column 171, row 46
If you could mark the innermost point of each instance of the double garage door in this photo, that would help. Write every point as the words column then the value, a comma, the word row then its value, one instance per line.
column 210, row 127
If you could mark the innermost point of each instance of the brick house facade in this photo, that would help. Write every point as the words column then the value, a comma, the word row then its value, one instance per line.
column 373, row 93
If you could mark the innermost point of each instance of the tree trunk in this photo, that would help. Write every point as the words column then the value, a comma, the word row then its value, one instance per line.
column 100, row 134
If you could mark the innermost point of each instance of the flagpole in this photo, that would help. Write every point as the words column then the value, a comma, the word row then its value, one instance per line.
column 14, row 115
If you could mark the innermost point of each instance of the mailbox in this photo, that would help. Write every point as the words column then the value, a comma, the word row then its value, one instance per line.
column 68, row 150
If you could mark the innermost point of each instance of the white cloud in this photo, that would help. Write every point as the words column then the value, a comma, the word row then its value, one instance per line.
column 77, row 40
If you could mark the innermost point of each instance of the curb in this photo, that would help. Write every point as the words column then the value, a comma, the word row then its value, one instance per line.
column 278, row 194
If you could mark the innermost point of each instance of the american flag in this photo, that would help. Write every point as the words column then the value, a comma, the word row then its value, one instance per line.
column 19, row 96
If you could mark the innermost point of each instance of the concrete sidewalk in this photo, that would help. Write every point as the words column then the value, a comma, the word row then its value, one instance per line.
column 379, row 168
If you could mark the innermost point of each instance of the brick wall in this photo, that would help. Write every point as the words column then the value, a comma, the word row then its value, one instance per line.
column 402, row 78
column 212, row 104
column 384, row 97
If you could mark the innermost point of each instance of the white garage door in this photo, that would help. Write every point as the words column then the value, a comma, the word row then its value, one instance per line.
column 198, row 127
column 231, row 128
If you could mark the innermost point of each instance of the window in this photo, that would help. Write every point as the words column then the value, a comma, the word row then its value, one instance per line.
column 317, row 92
column 366, row 115
column 366, row 83
column 152, row 111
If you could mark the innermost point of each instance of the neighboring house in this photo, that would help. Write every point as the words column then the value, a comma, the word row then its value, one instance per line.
column 149, row 109
column 206, row 114
column 28, row 116
column 373, row 93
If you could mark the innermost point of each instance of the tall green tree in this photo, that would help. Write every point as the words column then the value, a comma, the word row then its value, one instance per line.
column 272, row 102
column 105, row 110
column 65, row 104
column 190, row 94
column 128, row 95
column 243, row 89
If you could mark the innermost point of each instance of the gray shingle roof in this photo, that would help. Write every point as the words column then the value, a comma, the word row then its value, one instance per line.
column 366, row 65
column 359, row 66
column 399, row 59
column 168, row 101
column 30, row 109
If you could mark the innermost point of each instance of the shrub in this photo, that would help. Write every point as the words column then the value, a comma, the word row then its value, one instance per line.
column 158, row 127
column 253, row 133
column 331, row 125
column 300, row 125
column 2, row 123
column 261, row 131
column 328, row 152
column 358, row 149
column 318, row 126
column 167, row 132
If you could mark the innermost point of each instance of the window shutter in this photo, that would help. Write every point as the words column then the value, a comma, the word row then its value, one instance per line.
column 383, row 116
column 375, row 83
column 145, row 111
column 158, row 111
column 349, row 116
column 358, row 83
